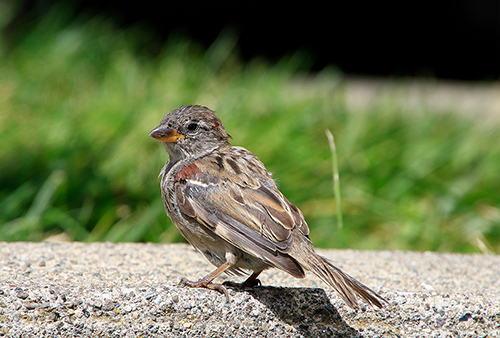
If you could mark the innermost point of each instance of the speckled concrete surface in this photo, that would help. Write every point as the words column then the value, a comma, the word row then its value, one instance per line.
column 130, row 290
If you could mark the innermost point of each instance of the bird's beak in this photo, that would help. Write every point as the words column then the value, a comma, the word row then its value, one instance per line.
column 165, row 134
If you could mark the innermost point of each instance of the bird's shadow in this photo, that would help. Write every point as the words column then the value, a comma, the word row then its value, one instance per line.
column 307, row 309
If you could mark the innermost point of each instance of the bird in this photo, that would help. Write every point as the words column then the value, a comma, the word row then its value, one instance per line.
column 226, row 204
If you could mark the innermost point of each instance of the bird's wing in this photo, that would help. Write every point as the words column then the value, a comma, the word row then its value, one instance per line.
column 237, row 199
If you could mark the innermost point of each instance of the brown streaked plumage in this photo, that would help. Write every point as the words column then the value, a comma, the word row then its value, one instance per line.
column 226, row 204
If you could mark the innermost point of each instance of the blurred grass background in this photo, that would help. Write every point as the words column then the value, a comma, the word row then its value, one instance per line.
column 78, row 99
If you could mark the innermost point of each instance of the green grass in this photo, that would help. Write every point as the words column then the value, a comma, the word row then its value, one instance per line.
column 77, row 102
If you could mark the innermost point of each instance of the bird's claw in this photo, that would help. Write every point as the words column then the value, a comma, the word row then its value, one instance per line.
column 246, row 284
column 205, row 284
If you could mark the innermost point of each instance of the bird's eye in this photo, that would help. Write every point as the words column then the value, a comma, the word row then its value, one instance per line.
column 192, row 126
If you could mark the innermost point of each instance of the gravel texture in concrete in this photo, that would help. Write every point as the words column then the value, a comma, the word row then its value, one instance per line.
column 130, row 290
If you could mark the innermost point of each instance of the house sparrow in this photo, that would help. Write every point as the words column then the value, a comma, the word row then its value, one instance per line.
column 225, row 203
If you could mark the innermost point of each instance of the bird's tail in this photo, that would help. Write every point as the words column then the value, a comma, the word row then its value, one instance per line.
column 348, row 287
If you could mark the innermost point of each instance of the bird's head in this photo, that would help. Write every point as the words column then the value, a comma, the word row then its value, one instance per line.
column 191, row 131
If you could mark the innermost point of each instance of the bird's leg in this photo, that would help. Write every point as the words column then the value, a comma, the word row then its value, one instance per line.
column 251, row 282
column 206, row 282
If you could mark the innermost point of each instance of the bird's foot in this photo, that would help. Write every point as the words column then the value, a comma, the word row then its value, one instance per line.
column 205, row 283
column 251, row 282
column 246, row 284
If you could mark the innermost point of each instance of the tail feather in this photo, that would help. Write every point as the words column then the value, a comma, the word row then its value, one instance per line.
column 347, row 287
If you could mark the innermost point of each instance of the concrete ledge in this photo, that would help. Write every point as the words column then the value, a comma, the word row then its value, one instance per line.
column 129, row 290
